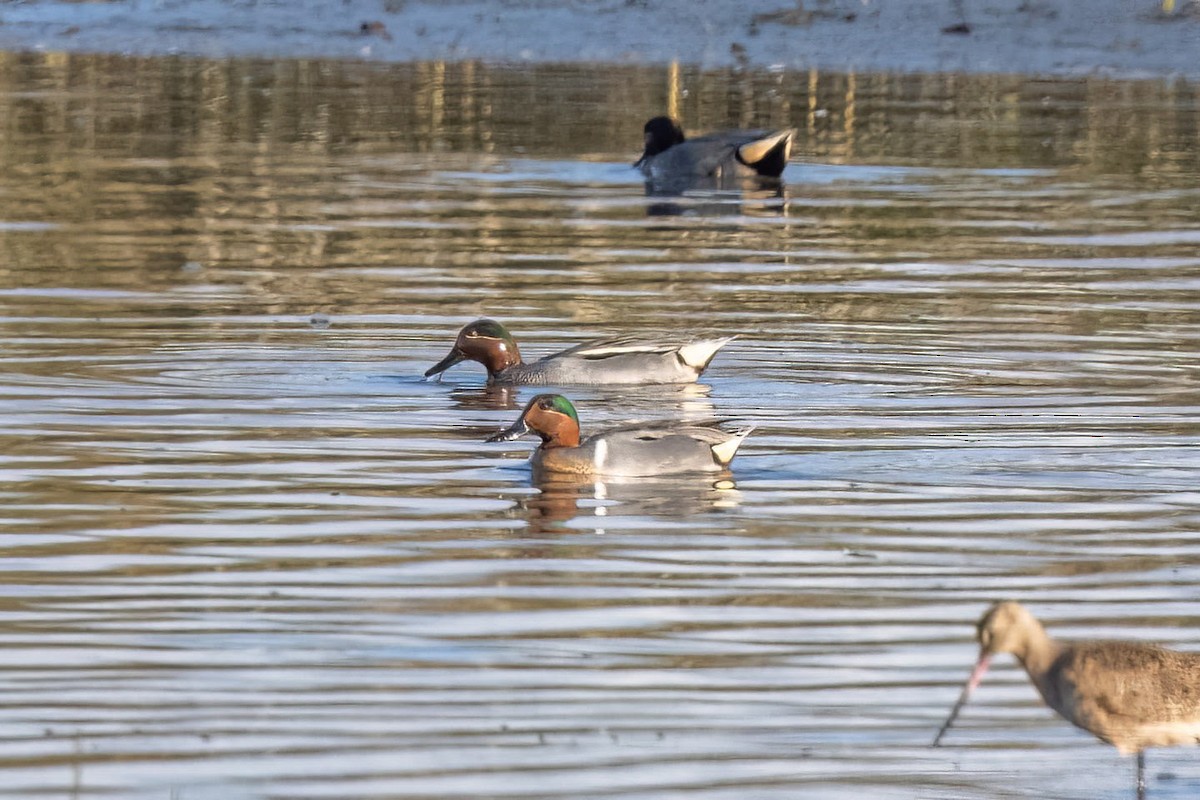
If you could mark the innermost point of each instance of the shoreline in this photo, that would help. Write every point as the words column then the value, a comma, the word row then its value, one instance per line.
column 1130, row 39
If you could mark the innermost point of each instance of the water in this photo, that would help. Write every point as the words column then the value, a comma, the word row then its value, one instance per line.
column 248, row 553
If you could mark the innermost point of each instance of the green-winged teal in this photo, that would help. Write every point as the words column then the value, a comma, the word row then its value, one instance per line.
column 628, row 451
column 615, row 360
column 718, row 159
column 1128, row 694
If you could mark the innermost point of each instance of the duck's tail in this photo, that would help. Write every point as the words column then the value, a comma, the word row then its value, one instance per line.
column 699, row 353
column 726, row 450
column 769, row 155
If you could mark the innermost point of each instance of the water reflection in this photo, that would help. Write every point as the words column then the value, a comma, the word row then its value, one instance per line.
column 685, row 402
column 487, row 397
column 575, row 502
column 756, row 199
column 242, row 558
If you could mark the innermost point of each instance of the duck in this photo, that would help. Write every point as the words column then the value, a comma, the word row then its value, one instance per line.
column 612, row 360
column 1132, row 695
column 630, row 451
column 719, row 159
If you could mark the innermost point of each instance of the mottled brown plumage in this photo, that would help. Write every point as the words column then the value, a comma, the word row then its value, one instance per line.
column 1129, row 694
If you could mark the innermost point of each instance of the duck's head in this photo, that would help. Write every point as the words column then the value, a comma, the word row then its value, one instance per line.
column 550, row 416
column 485, row 341
column 1004, row 628
column 660, row 133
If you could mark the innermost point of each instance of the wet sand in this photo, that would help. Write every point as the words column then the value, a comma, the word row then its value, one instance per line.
column 1125, row 38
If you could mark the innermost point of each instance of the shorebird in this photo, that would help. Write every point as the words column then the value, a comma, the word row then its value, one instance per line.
column 1128, row 694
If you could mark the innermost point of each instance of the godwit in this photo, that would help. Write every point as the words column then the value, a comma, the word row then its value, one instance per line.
column 1128, row 694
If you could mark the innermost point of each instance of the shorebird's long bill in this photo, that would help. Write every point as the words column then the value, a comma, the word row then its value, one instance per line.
column 514, row 431
column 981, row 667
column 446, row 363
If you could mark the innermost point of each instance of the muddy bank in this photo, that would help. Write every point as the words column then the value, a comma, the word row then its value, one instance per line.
column 1129, row 38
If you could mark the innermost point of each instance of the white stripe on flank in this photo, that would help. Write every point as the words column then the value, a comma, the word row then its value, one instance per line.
column 601, row 454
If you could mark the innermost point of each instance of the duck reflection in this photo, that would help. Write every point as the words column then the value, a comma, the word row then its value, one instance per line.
column 690, row 402
column 755, row 198
column 486, row 397
column 578, row 501
column 684, row 403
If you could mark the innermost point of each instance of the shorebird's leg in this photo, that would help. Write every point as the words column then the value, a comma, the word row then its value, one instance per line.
column 1141, row 775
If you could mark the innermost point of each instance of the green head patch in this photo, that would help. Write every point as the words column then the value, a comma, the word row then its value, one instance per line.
column 556, row 402
column 488, row 328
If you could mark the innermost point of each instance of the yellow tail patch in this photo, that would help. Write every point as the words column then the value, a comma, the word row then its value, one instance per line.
column 697, row 354
column 725, row 451
column 753, row 152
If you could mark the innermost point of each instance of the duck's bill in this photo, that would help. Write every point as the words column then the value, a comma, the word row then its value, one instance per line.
column 981, row 667
column 514, row 431
column 445, row 364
